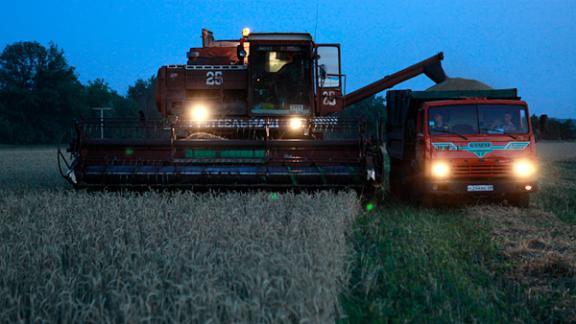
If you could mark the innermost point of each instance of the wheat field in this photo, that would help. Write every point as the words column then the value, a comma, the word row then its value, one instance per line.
column 71, row 256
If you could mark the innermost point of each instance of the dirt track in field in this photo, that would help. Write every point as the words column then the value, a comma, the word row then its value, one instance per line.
column 539, row 242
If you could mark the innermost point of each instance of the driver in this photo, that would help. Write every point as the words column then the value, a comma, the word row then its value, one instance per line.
column 505, row 126
column 438, row 123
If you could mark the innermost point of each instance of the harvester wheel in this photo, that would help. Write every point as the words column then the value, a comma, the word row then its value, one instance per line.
column 521, row 200
column 372, row 192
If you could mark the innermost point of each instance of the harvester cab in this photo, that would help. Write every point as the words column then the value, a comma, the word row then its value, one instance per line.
column 261, row 75
column 260, row 111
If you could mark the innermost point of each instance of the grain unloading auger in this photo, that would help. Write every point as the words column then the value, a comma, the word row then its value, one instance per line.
column 262, row 111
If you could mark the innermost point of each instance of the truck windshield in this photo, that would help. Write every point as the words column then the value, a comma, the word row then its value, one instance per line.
column 478, row 119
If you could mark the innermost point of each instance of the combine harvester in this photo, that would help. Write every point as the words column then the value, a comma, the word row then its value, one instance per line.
column 259, row 112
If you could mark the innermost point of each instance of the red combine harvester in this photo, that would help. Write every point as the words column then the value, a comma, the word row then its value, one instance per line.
column 262, row 111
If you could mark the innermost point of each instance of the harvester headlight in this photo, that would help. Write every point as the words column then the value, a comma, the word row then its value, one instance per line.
column 296, row 123
column 440, row 169
column 245, row 32
column 199, row 113
column 524, row 168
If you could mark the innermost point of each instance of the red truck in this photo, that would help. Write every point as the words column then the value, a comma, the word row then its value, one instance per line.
column 460, row 144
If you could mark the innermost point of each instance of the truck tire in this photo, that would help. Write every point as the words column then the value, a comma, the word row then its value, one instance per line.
column 395, row 175
column 521, row 200
column 428, row 200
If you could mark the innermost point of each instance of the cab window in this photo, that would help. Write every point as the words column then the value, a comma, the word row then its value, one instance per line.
column 281, row 78
column 328, row 66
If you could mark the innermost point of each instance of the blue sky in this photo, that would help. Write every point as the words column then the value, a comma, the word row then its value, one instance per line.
column 527, row 44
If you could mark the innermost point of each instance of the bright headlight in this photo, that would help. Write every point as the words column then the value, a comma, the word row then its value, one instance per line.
column 199, row 113
column 440, row 169
column 524, row 168
column 296, row 123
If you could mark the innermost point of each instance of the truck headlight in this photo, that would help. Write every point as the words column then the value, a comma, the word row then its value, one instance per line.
column 296, row 123
column 199, row 113
column 524, row 168
column 440, row 169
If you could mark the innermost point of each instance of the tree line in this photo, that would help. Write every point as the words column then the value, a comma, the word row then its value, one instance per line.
column 553, row 129
column 40, row 95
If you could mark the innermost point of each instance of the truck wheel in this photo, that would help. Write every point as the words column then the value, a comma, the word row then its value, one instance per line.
column 394, row 187
column 427, row 200
column 395, row 180
column 521, row 200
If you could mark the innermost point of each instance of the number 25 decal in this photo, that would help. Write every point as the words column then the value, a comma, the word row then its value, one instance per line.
column 214, row 78
column 329, row 98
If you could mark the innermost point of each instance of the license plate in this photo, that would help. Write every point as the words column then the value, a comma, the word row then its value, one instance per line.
column 477, row 188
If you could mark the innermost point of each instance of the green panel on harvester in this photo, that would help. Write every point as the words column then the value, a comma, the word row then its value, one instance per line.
column 242, row 154
column 200, row 154
column 228, row 154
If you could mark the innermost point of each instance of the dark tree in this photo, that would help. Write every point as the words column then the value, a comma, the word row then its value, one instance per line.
column 543, row 124
column 99, row 94
column 567, row 130
column 555, row 129
column 371, row 109
column 536, row 126
column 143, row 93
column 39, row 93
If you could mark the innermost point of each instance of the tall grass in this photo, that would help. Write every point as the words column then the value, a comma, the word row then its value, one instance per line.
column 68, row 256
column 558, row 189
column 28, row 170
column 420, row 265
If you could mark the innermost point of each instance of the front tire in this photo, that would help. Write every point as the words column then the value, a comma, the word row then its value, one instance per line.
column 429, row 200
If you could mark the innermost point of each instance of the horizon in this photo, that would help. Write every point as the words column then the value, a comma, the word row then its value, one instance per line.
column 121, row 43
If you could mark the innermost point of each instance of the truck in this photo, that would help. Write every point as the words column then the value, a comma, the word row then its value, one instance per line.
column 467, row 144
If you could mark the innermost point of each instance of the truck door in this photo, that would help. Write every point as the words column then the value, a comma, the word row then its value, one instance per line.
column 328, row 79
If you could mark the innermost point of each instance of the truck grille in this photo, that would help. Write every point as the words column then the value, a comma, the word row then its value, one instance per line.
column 481, row 170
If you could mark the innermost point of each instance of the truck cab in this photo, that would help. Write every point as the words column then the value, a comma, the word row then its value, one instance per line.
column 476, row 143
